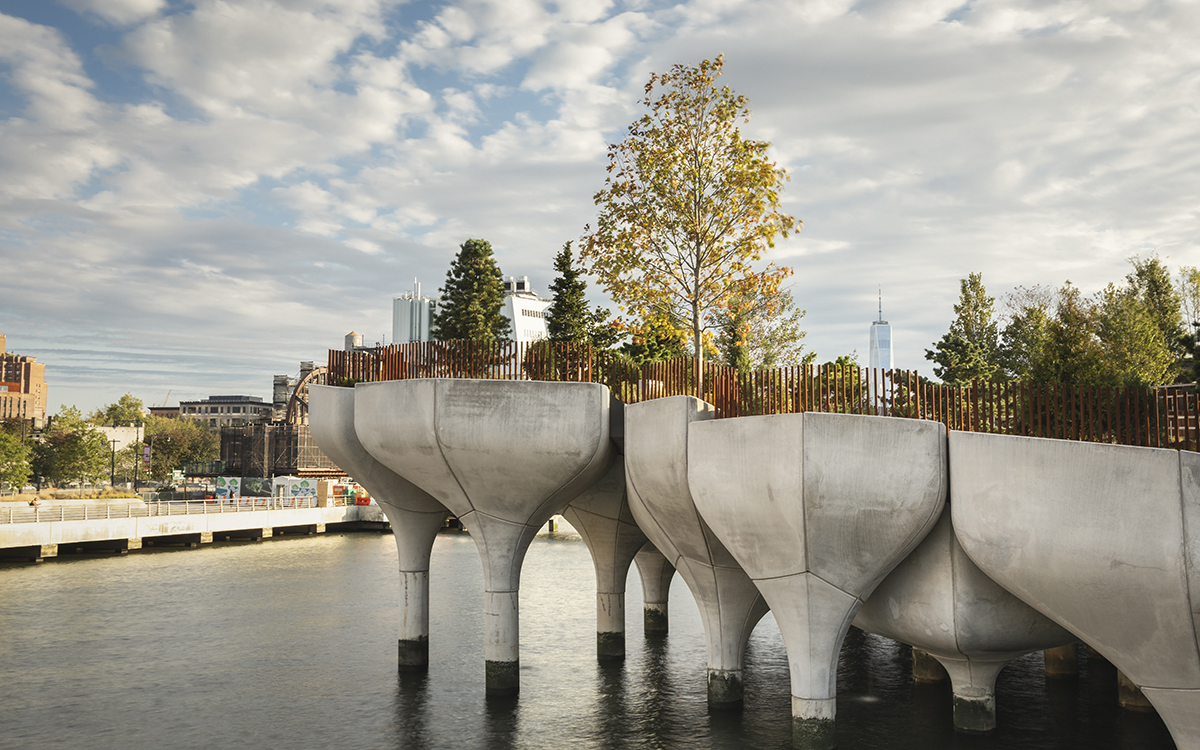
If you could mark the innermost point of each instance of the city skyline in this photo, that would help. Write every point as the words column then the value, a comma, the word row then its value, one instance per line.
column 201, row 195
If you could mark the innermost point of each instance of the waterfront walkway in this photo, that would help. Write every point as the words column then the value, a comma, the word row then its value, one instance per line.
column 34, row 533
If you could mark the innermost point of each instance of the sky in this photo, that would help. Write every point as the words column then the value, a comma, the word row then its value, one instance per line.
column 196, row 196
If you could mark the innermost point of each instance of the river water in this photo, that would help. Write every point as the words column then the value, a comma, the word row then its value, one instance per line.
column 291, row 643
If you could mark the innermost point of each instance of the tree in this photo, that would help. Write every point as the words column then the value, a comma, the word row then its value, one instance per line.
column 70, row 450
column 970, row 350
column 1136, row 353
column 1150, row 281
column 1188, row 289
column 470, row 301
column 14, row 461
column 1026, row 336
column 568, row 319
column 655, row 341
column 687, row 206
column 177, row 442
column 127, row 410
column 758, row 329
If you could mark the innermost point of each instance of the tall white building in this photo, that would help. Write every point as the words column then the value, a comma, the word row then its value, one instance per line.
column 412, row 316
column 881, row 342
column 525, row 310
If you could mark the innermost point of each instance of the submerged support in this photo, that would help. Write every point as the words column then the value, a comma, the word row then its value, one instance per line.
column 974, row 684
column 656, row 573
column 814, row 724
column 1062, row 661
column 502, row 643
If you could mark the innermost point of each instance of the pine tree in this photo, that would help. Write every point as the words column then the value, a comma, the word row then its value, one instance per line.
column 568, row 319
column 970, row 350
column 471, row 299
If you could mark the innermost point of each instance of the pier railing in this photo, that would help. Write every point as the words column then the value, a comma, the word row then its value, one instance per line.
column 1153, row 417
column 95, row 512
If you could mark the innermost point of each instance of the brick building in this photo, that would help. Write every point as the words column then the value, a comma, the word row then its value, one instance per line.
column 22, row 387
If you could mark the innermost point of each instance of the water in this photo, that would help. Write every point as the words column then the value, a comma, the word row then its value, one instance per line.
column 292, row 643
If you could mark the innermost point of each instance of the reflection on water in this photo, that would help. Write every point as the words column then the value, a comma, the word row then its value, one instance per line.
column 292, row 643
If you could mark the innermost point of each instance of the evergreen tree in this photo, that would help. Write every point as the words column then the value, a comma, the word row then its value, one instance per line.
column 970, row 350
column 568, row 319
column 471, row 299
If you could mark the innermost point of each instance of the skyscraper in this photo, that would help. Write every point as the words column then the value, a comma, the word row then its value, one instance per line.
column 881, row 341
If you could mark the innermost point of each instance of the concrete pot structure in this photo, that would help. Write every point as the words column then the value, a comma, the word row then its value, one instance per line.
column 656, row 466
column 414, row 515
column 938, row 601
column 1102, row 539
column 503, row 456
column 602, row 517
column 656, row 573
column 817, row 509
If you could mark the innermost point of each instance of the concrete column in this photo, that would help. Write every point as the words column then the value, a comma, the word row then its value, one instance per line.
column 1062, row 661
column 503, row 457
column 974, row 684
column 656, row 465
column 414, row 516
column 817, row 509
column 656, row 573
column 602, row 517
column 502, row 643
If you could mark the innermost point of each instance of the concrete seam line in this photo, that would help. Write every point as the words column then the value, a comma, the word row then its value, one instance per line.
column 954, row 590
column 437, row 386
column 834, row 586
column 1187, row 558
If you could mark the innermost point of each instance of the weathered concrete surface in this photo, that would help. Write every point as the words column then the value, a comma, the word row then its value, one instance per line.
column 656, row 573
column 656, row 465
column 1102, row 539
column 817, row 509
column 602, row 517
column 502, row 456
column 414, row 515
column 940, row 602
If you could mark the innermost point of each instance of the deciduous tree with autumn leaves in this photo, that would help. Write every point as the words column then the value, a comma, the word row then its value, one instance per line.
column 687, row 208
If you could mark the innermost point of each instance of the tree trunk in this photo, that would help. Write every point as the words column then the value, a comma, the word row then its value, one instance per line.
column 698, row 356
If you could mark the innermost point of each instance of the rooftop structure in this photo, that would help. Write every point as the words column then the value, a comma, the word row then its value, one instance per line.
column 412, row 316
column 226, row 410
column 524, row 310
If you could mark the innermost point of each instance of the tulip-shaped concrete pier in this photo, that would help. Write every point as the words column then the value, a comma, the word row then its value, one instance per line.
column 602, row 517
column 656, row 465
column 1102, row 539
column 414, row 515
column 817, row 509
column 939, row 601
column 503, row 456
column 655, row 572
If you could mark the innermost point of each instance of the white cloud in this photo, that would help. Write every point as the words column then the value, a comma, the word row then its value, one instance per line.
column 119, row 12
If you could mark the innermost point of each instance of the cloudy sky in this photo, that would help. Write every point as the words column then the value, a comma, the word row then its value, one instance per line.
column 197, row 195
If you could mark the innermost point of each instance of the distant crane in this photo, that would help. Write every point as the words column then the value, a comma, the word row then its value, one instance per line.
column 168, row 398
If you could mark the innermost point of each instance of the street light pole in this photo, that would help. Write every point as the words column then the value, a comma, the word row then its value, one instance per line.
column 112, row 467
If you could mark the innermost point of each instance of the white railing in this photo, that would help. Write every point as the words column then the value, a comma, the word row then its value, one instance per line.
column 34, row 514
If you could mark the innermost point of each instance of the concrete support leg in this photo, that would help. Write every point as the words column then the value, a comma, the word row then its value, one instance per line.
column 926, row 668
column 1130, row 695
column 602, row 517
column 974, row 684
column 1062, row 661
column 814, row 723
column 413, row 649
column 501, row 644
column 610, row 625
column 414, row 533
column 656, row 573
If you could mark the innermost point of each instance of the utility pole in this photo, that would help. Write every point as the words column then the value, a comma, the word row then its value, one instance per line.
column 112, row 467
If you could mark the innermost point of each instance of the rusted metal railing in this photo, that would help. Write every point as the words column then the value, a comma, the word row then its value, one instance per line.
column 1153, row 417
